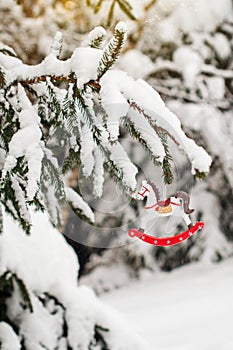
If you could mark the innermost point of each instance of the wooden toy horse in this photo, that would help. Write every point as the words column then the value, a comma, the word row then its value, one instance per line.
column 177, row 205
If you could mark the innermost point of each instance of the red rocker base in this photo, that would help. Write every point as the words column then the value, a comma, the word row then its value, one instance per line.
column 166, row 241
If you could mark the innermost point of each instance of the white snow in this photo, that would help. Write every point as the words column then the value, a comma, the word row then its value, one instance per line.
column 26, row 142
column 148, row 134
column 87, row 147
column 221, row 45
column 189, row 62
column 96, row 33
column 9, row 340
column 121, row 27
column 216, row 87
column 56, row 45
column 189, row 16
column 84, row 63
column 190, row 308
column 116, row 107
column 212, row 242
column 98, row 173
column 129, row 170
column 78, row 203
column 150, row 101
column 202, row 117
column 135, row 63
column 47, row 264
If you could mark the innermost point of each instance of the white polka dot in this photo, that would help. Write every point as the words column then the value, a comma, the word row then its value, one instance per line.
column 143, row 237
column 155, row 242
column 168, row 242
column 181, row 239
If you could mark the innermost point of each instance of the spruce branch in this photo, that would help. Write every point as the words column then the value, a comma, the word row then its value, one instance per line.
column 23, row 292
column 166, row 166
column 52, row 188
column 148, row 6
column 200, row 174
column 111, row 13
column 56, row 46
column 41, row 109
column 71, row 161
column 151, row 121
column 8, row 51
column 87, row 115
column 98, row 6
column 99, row 338
column 71, row 112
column 124, row 5
column 112, row 50
column 96, row 38
column 13, row 196
column 51, row 174
column 53, row 103
column 134, row 133
column 162, row 133
column 126, row 8
column 7, row 287
column 2, row 78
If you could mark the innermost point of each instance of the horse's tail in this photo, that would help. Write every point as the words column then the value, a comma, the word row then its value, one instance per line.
column 186, row 199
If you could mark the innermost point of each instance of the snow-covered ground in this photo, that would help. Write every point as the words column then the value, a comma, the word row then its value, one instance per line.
column 190, row 308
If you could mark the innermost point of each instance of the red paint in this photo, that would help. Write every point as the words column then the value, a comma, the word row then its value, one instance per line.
column 143, row 193
column 166, row 241
column 162, row 204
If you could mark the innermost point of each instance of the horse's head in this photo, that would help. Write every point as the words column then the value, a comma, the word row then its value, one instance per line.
column 144, row 190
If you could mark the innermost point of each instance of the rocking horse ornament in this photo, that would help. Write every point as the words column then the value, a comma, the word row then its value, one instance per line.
column 177, row 206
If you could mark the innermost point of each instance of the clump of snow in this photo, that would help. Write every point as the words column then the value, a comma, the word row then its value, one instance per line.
column 116, row 107
column 98, row 174
column 84, row 63
column 135, row 63
column 26, row 142
column 221, row 45
column 189, row 62
column 42, row 254
column 121, row 27
column 87, row 147
column 78, row 203
column 8, row 338
column 129, row 171
column 96, row 33
column 56, row 45
column 216, row 87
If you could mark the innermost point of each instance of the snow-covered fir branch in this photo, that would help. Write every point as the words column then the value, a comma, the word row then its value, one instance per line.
column 55, row 115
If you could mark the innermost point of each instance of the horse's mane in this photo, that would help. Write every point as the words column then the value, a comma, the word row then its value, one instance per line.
column 155, row 189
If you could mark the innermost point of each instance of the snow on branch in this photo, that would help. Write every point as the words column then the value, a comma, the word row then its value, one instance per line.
column 78, row 203
column 150, row 101
column 44, row 121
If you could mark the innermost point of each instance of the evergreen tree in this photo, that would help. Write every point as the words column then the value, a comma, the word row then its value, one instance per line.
column 55, row 116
